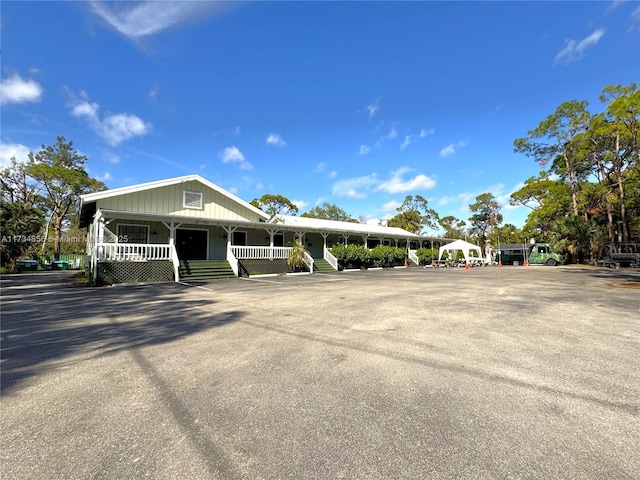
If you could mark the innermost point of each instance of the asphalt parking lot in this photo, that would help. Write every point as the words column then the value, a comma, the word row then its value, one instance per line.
column 519, row 372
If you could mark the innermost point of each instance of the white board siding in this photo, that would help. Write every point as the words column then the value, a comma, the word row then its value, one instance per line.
column 169, row 201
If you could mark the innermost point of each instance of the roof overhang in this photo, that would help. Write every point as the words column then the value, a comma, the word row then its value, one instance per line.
column 281, row 227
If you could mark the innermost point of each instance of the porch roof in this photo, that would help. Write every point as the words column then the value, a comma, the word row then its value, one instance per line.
column 320, row 226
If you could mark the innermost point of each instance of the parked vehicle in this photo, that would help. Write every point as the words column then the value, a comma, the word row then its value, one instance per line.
column 625, row 254
column 535, row 254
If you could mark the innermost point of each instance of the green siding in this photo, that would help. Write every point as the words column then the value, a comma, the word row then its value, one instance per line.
column 169, row 201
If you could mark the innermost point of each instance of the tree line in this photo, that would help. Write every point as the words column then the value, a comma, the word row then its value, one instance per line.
column 585, row 199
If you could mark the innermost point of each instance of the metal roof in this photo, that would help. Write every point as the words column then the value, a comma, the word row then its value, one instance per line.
column 314, row 225
column 343, row 227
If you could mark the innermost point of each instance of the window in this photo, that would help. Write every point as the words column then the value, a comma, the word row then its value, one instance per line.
column 192, row 199
column 278, row 240
column 239, row 238
column 133, row 234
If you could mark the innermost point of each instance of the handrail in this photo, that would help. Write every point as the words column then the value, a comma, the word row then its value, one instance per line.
column 308, row 260
column 413, row 256
column 233, row 261
column 329, row 257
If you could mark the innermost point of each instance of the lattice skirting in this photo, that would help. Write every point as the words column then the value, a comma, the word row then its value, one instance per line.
column 265, row 266
column 133, row 272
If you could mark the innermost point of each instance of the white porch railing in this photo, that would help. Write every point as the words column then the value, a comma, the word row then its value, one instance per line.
column 232, row 259
column 260, row 253
column 132, row 251
column 329, row 257
column 308, row 260
column 413, row 256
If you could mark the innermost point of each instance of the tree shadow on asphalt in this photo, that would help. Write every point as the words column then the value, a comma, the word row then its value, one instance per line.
column 631, row 275
column 41, row 325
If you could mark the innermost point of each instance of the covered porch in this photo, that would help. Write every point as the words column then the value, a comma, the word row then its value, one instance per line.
column 134, row 238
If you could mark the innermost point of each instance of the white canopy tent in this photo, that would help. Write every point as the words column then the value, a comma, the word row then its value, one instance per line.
column 460, row 245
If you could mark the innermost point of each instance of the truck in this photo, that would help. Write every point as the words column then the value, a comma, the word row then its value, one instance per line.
column 534, row 253
column 625, row 254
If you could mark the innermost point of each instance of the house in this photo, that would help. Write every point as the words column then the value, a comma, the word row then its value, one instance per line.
column 188, row 227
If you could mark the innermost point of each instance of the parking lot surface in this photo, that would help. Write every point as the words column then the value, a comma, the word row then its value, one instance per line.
column 519, row 372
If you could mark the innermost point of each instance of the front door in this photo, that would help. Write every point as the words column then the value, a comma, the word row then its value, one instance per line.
column 191, row 244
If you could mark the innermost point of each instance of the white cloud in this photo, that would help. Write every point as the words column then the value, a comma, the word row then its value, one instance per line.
column 409, row 139
column 321, row 167
column 233, row 155
column 275, row 140
column 105, row 177
column 635, row 15
column 393, row 133
column 364, row 150
column 114, row 128
column 301, row 204
column 615, row 4
column 153, row 93
column 373, row 107
column 361, row 187
column 390, row 206
column 333, row 174
column 448, row 151
column 234, row 132
column 10, row 150
column 143, row 19
column 358, row 187
column 451, row 148
column 15, row 89
column 115, row 159
column 396, row 184
column 574, row 50
column 446, row 200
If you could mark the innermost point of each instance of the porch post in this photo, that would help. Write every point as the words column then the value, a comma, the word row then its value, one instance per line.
column 324, row 239
column 272, row 232
column 229, row 231
column 172, row 248
column 98, row 230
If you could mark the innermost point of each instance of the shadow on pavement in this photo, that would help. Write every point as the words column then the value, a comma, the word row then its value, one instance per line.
column 45, row 317
column 611, row 274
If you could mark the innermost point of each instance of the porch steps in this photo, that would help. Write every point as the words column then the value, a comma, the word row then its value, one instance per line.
column 193, row 270
column 322, row 266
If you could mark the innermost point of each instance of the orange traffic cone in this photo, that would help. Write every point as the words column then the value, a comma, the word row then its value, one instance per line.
column 499, row 264
column 406, row 265
column 466, row 267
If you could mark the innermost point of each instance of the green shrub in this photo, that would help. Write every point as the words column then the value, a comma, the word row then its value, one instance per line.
column 386, row 256
column 426, row 255
column 359, row 256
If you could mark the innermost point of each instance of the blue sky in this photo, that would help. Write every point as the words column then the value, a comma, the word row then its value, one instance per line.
column 353, row 103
